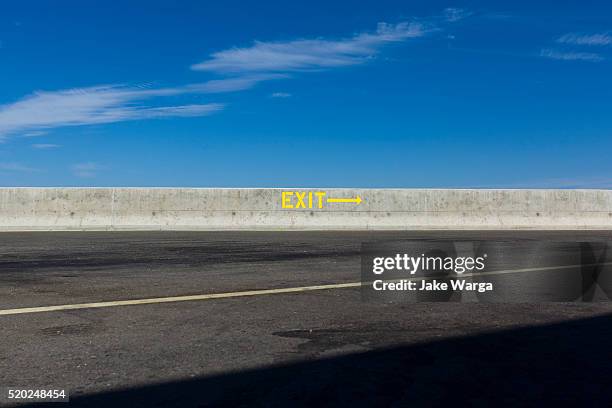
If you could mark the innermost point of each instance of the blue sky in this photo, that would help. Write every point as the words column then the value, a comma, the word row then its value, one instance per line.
column 306, row 94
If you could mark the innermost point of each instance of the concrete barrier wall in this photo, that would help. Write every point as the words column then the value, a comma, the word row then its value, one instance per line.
column 259, row 209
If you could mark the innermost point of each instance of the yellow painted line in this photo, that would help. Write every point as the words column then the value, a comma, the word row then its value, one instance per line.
column 226, row 295
column 173, row 299
column 355, row 200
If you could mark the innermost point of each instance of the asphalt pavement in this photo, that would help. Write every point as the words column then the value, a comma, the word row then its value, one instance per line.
column 324, row 347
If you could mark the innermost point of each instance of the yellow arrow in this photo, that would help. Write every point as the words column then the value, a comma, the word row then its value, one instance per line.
column 355, row 200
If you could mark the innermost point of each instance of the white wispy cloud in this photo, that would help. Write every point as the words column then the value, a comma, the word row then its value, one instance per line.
column 242, row 68
column 453, row 14
column 94, row 105
column 17, row 167
column 231, row 84
column 44, row 146
column 34, row 133
column 87, row 170
column 586, row 39
column 309, row 54
column 570, row 55
column 280, row 95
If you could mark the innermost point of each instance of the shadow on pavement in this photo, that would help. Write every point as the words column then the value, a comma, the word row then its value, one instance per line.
column 565, row 364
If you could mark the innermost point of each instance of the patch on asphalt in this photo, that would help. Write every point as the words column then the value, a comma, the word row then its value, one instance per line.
column 70, row 329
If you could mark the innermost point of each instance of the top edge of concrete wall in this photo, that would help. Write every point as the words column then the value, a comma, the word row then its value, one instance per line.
column 301, row 188
column 168, row 208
